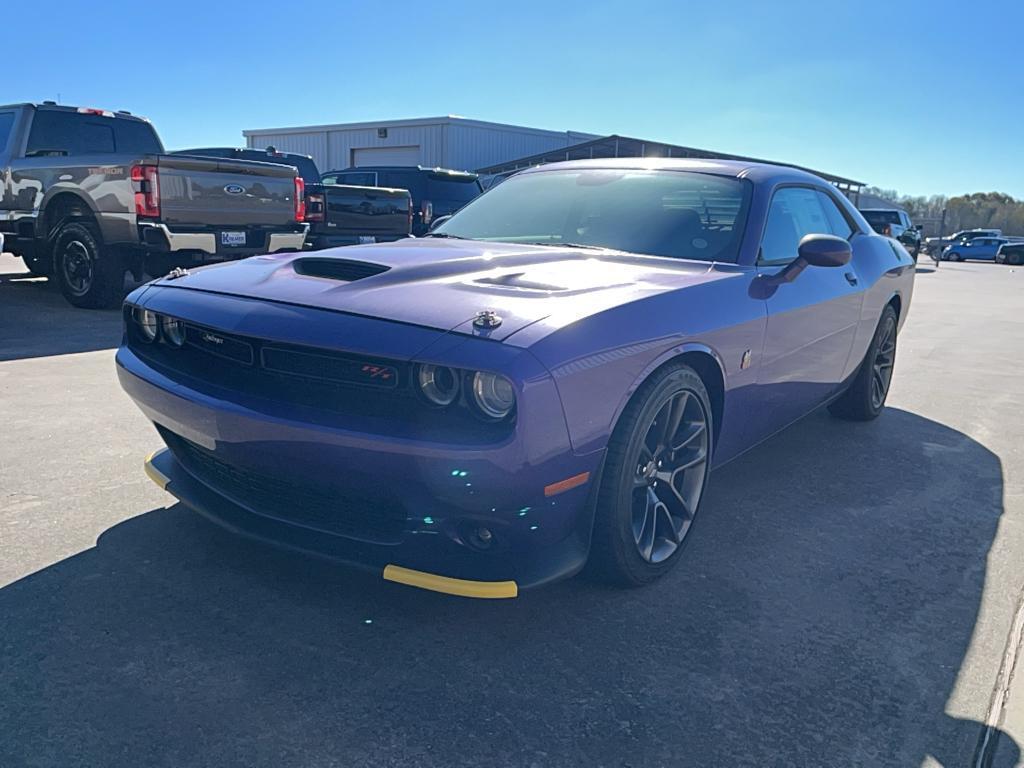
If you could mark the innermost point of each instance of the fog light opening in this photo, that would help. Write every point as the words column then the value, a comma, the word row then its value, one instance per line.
column 480, row 537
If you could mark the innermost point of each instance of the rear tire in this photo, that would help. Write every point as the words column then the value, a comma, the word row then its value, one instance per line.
column 88, row 275
column 653, row 480
column 865, row 398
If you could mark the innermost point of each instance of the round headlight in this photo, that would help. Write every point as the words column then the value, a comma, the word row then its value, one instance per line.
column 173, row 330
column 146, row 320
column 438, row 383
column 493, row 394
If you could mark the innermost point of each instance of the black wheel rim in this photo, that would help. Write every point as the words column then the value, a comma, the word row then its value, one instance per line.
column 669, row 474
column 881, row 369
column 77, row 267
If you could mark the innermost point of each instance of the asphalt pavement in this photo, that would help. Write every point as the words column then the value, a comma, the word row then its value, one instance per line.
column 851, row 595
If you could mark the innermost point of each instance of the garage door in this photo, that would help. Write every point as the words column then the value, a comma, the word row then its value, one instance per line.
column 385, row 156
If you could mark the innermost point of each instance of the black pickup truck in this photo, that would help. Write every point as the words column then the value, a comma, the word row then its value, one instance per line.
column 338, row 214
column 87, row 194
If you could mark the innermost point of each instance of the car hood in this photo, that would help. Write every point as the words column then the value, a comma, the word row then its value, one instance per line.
column 444, row 283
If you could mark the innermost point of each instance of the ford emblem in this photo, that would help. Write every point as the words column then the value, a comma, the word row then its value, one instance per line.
column 234, row 189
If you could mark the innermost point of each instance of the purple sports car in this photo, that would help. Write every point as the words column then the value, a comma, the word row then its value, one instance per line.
column 546, row 379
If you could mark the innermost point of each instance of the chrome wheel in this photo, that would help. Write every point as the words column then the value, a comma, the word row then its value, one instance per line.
column 881, row 368
column 77, row 267
column 669, row 476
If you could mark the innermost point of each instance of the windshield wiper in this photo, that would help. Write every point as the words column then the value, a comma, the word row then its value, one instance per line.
column 445, row 234
column 586, row 246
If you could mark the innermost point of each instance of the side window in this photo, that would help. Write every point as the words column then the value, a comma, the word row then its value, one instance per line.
column 837, row 222
column 6, row 127
column 794, row 212
column 70, row 132
column 358, row 179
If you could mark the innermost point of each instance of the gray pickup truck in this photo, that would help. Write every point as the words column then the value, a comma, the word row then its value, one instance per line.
column 88, row 194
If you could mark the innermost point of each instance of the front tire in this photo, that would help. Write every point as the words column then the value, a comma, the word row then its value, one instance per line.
column 654, row 477
column 88, row 277
column 866, row 395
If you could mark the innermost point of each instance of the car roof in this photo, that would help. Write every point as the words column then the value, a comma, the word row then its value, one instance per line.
column 740, row 169
column 275, row 153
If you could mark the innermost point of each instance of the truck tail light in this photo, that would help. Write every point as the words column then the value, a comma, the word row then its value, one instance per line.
column 300, row 199
column 315, row 207
column 427, row 212
column 146, row 182
column 409, row 209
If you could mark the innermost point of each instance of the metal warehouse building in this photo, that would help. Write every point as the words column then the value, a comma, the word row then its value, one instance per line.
column 446, row 142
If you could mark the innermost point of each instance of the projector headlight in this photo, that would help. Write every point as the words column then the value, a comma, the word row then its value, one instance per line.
column 173, row 331
column 493, row 394
column 438, row 383
column 146, row 321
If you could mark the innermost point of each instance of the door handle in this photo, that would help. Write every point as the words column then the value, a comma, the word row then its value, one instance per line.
column 851, row 278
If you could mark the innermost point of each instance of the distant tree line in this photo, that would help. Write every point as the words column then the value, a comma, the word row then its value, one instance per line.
column 981, row 210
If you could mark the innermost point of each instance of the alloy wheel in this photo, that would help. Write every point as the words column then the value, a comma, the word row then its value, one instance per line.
column 669, row 476
column 77, row 267
column 881, row 368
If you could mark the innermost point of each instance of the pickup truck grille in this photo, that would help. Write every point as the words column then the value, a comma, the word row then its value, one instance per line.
column 319, row 507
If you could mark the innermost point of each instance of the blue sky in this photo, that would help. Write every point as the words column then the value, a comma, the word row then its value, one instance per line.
column 923, row 97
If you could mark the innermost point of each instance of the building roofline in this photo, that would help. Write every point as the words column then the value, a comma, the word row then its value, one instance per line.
column 412, row 122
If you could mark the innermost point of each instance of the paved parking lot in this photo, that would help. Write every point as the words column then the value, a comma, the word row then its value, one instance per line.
column 848, row 597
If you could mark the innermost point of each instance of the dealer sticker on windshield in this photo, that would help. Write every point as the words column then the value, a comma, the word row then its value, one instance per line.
column 232, row 238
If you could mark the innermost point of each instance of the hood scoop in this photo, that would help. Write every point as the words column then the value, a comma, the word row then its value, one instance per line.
column 343, row 270
column 519, row 280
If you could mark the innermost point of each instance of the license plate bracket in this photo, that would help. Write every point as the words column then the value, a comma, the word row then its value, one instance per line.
column 232, row 239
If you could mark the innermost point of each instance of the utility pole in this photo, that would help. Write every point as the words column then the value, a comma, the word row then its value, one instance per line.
column 942, row 224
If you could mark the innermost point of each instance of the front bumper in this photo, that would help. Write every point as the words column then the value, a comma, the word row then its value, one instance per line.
column 540, row 526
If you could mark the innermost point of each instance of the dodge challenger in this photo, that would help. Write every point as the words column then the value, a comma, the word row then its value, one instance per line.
column 543, row 382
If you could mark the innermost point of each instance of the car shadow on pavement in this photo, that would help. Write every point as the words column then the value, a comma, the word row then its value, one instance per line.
column 36, row 320
column 821, row 616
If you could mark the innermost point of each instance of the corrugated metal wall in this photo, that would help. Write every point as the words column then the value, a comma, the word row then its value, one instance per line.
column 445, row 144
column 429, row 138
column 473, row 146
column 314, row 144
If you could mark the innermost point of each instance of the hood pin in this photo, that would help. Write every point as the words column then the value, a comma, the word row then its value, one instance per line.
column 487, row 318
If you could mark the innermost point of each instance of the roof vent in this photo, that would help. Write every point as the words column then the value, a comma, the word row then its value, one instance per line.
column 344, row 270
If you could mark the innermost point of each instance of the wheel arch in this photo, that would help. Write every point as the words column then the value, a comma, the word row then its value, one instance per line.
column 708, row 365
column 61, row 204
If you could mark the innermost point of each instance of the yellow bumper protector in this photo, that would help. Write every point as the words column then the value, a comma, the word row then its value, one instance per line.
column 155, row 474
column 450, row 586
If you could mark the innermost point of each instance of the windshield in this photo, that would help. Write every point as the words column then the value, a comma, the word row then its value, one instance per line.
column 660, row 213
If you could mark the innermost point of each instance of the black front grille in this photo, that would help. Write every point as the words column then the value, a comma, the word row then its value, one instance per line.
column 317, row 506
column 370, row 394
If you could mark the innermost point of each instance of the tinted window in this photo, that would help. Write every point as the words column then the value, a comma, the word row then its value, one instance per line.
column 448, row 192
column 70, row 132
column 6, row 126
column 837, row 222
column 794, row 212
column 668, row 213
column 358, row 179
column 136, row 137
column 878, row 219
column 402, row 180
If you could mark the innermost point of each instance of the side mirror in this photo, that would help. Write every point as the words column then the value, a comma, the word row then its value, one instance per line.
column 814, row 251
column 824, row 251
column 438, row 222
column 919, row 227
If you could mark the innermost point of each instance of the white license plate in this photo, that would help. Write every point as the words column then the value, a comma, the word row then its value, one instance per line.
column 367, row 239
column 232, row 238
